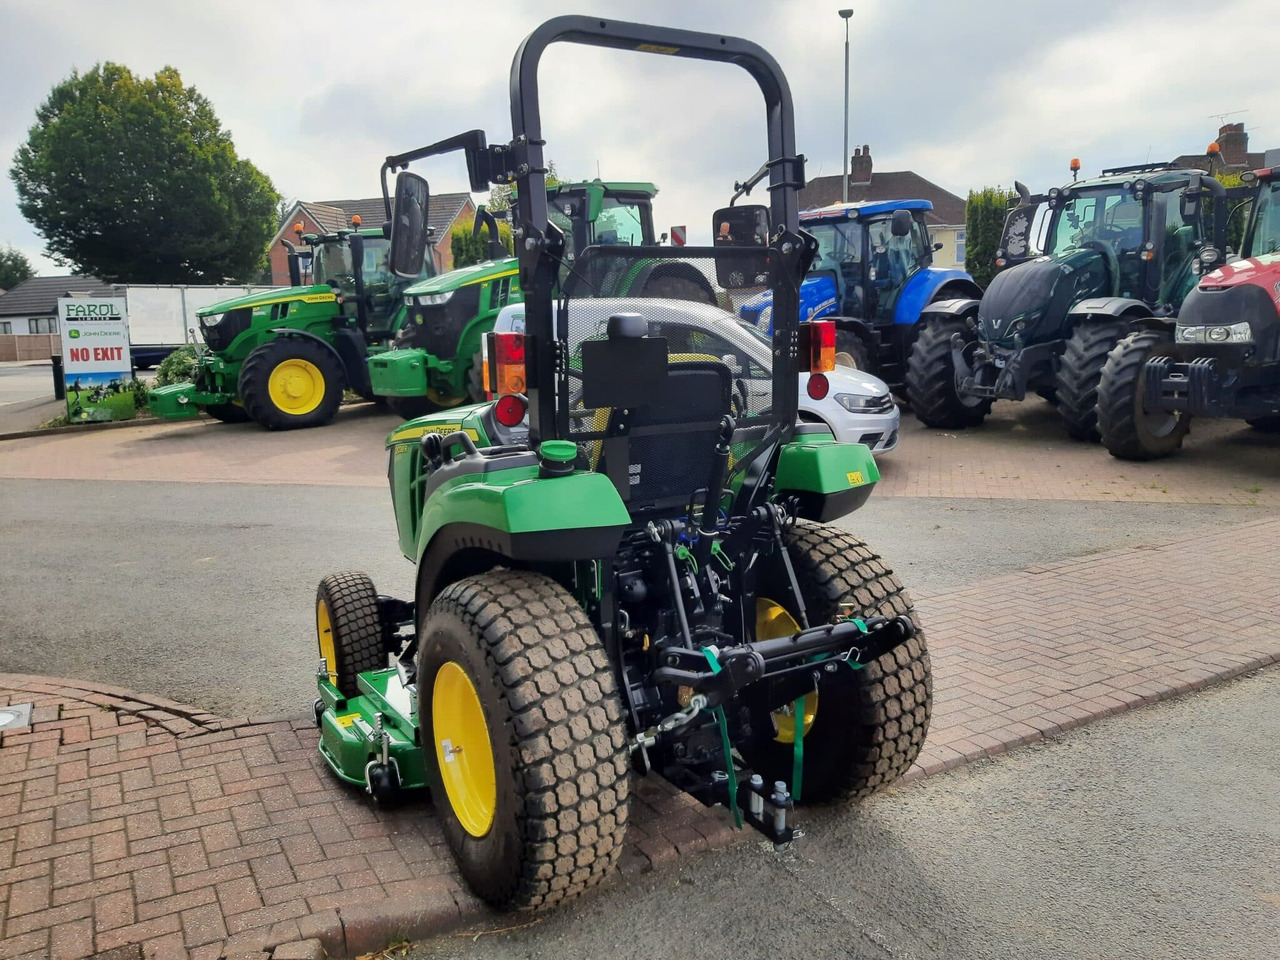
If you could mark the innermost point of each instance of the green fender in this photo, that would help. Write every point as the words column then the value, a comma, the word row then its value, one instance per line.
column 829, row 479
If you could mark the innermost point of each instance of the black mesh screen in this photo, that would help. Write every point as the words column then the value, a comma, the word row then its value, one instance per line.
column 716, row 365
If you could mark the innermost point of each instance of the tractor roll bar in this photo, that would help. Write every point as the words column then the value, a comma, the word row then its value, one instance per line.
column 786, row 171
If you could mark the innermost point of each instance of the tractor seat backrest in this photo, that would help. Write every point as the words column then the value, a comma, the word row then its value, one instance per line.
column 671, row 440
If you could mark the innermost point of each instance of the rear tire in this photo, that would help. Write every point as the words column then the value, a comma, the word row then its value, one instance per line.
column 1079, row 374
column 1128, row 430
column 1265, row 424
column 291, row 383
column 851, row 351
column 228, row 412
column 676, row 287
column 559, row 760
column 931, row 379
column 870, row 723
column 410, row 408
column 349, row 628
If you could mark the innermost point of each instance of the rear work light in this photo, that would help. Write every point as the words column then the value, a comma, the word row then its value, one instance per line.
column 822, row 346
column 503, row 360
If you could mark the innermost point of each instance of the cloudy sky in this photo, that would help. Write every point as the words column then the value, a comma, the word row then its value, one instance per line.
column 965, row 93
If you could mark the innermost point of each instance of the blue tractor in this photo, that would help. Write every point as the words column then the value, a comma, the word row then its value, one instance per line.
column 873, row 275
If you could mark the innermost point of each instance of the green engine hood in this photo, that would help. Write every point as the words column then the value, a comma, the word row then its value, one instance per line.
column 318, row 293
column 476, row 273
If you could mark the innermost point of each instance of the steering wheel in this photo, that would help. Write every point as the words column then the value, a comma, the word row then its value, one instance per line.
column 1109, row 257
column 1109, row 232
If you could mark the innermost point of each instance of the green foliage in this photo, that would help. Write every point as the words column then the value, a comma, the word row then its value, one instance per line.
column 140, row 391
column 177, row 367
column 468, row 249
column 984, row 224
column 500, row 195
column 133, row 179
column 14, row 268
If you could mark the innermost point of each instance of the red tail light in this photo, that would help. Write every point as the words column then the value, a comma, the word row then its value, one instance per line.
column 503, row 364
column 822, row 347
column 509, row 410
column 819, row 386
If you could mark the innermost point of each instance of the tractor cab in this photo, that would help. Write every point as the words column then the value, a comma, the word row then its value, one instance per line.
column 1262, row 233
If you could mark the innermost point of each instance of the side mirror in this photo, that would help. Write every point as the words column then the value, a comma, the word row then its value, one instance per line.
column 901, row 223
column 746, row 226
column 409, row 225
column 937, row 246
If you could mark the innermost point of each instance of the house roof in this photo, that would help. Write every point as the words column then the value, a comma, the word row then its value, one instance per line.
column 1201, row 161
column 335, row 215
column 891, row 185
column 38, row 297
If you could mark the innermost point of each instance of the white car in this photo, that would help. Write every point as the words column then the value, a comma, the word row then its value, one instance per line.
column 858, row 407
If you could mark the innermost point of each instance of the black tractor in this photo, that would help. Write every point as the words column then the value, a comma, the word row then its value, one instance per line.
column 1081, row 267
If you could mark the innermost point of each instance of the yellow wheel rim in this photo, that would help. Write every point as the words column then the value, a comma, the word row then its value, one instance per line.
column 296, row 386
column 324, row 633
column 440, row 400
column 463, row 751
column 772, row 620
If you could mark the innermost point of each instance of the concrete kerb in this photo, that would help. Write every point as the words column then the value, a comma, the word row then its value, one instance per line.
column 83, row 428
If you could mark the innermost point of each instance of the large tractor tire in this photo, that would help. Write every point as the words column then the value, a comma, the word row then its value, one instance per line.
column 525, row 738
column 228, row 412
column 1130, row 431
column 410, row 408
column 680, row 285
column 931, row 379
column 349, row 629
column 1079, row 374
column 1265, row 424
column 863, row 728
column 290, row 383
column 851, row 351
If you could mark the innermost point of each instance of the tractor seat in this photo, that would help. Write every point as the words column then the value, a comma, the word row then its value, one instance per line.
column 671, row 440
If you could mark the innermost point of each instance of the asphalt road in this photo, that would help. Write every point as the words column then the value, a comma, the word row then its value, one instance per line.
column 1149, row 835
column 204, row 592
column 21, row 381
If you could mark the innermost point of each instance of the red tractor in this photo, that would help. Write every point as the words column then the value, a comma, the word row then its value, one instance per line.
column 1224, row 359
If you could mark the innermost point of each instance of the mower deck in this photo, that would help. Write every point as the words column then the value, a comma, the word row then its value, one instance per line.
column 352, row 738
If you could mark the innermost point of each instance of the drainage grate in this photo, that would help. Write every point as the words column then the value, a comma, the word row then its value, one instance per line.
column 15, row 715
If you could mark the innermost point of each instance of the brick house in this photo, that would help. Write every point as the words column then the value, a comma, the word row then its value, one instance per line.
column 29, row 314
column 330, row 216
column 945, row 220
column 1233, row 153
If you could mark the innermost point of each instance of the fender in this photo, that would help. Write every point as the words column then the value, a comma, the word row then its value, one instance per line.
column 921, row 287
column 295, row 333
column 674, row 268
column 1117, row 308
column 959, row 307
column 857, row 326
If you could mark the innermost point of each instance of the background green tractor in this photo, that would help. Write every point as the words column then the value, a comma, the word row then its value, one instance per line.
column 1081, row 268
column 283, row 358
column 622, row 566
column 436, row 361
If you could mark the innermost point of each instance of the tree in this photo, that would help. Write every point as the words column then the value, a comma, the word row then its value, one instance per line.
column 134, row 179
column 984, row 225
column 468, row 249
column 500, row 195
column 14, row 268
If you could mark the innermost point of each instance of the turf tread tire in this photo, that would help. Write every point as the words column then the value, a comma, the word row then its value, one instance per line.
column 1080, row 373
column 357, row 627
column 567, row 769
column 1120, row 394
column 888, row 702
column 931, row 379
column 256, row 373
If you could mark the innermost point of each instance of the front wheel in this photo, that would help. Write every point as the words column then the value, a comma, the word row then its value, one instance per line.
column 1265, row 424
column 525, row 741
column 1080, row 372
column 862, row 728
column 292, row 382
column 228, row 412
column 851, row 351
column 931, row 379
column 1129, row 430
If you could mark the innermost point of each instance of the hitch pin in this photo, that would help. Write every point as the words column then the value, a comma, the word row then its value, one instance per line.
column 649, row 738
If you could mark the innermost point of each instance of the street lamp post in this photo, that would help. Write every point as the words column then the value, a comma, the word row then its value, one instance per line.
column 845, row 15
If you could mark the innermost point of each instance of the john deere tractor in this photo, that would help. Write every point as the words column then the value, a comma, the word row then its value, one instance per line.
column 282, row 358
column 873, row 276
column 1223, row 359
column 624, row 566
column 436, row 361
column 1118, row 252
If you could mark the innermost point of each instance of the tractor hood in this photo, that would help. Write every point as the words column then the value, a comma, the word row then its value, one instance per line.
column 1213, row 318
column 319, row 293
column 476, row 273
column 817, row 299
column 1028, row 303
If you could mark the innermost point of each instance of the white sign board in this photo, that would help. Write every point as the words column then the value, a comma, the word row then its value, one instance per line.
column 96, row 366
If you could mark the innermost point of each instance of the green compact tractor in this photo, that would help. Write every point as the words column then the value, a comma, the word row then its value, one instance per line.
column 623, row 561
column 1223, row 359
column 436, row 361
column 282, row 358
column 1117, row 255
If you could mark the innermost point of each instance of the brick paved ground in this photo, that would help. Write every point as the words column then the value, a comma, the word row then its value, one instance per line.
column 1021, row 452
column 127, row 821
